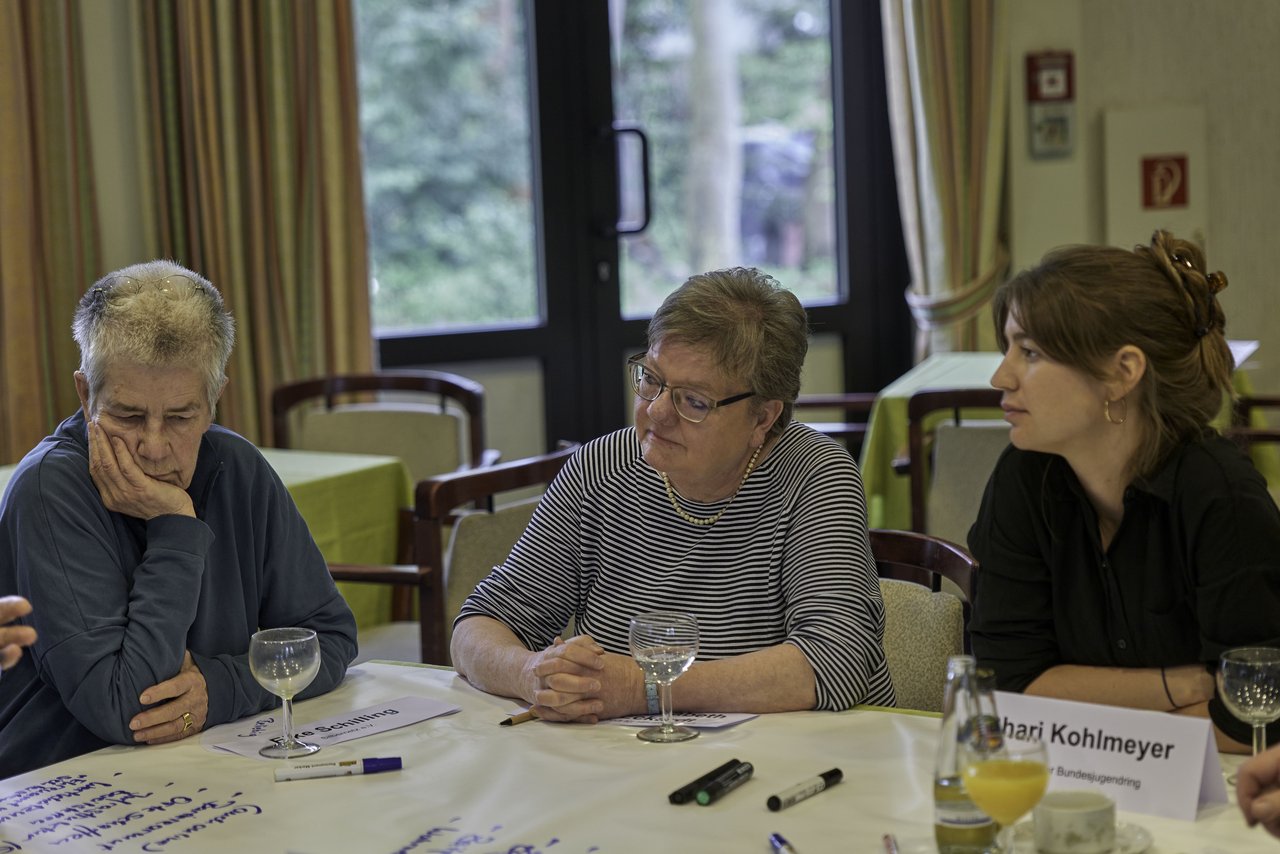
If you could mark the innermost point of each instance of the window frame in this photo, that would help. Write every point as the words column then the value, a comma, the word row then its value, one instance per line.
column 576, row 200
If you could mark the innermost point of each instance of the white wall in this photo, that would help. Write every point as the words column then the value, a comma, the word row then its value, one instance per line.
column 1134, row 53
column 1046, row 197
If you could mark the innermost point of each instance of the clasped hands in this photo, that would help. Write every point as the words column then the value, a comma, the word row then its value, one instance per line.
column 187, row 694
column 183, row 714
column 576, row 680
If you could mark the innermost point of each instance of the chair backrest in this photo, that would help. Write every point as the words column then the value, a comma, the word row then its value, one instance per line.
column 443, row 533
column 1261, row 441
column 478, row 540
column 1247, row 425
column 972, row 473
column 922, row 629
column 925, row 560
column 964, row 455
column 852, row 408
column 434, row 421
column 924, row 625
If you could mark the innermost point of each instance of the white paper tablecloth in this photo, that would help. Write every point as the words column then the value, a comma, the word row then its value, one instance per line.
column 469, row 785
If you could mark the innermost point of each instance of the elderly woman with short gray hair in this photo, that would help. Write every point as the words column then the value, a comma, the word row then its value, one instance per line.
column 151, row 542
column 716, row 503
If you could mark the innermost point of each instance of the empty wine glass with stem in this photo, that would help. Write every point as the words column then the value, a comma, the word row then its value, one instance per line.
column 1005, row 778
column 664, row 644
column 284, row 661
column 1249, row 684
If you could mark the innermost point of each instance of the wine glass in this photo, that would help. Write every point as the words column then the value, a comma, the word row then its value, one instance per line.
column 284, row 661
column 1249, row 684
column 664, row 644
column 1005, row 778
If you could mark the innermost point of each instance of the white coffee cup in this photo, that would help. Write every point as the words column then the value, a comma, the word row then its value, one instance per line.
column 1075, row 821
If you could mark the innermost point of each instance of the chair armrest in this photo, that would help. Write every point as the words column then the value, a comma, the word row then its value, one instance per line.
column 408, row 575
column 850, row 402
column 430, row 600
column 488, row 457
column 841, row 429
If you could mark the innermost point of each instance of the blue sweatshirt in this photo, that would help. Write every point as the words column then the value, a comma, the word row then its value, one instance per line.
column 118, row 600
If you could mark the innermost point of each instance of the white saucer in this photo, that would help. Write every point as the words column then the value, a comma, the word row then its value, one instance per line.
column 1130, row 838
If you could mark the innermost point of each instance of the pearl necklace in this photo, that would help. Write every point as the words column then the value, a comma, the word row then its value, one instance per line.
column 710, row 520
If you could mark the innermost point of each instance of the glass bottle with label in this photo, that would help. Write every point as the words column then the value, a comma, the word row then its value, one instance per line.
column 959, row 826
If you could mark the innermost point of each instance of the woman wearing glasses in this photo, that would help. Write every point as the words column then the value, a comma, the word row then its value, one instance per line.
column 715, row 503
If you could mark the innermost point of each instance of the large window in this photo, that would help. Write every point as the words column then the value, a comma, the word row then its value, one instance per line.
column 444, row 103
column 505, row 192
column 735, row 97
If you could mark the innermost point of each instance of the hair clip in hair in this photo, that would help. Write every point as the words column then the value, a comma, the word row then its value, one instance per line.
column 1183, row 260
column 1217, row 282
column 1202, row 331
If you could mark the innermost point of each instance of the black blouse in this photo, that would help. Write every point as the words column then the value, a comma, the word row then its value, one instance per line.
column 1193, row 570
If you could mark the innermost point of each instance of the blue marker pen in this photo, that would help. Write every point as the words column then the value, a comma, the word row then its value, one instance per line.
column 781, row 845
column 342, row 768
column 725, row 783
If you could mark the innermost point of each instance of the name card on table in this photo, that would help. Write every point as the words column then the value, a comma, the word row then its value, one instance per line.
column 246, row 737
column 1149, row 762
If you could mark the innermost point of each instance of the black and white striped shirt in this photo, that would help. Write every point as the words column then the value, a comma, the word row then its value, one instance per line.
column 789, row 562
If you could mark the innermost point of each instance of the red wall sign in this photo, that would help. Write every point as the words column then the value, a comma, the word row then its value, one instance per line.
column 1164, row 181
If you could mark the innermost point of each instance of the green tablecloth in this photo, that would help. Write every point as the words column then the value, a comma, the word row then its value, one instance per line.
column 351, row 503
column 889, row 493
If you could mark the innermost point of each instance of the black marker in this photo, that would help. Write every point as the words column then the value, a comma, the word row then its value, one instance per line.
column 685, row 793
column 806, row 789
column 725, row 783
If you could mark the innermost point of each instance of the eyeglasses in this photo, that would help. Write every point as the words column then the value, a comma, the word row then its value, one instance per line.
column 130, row 286
column 689, row 404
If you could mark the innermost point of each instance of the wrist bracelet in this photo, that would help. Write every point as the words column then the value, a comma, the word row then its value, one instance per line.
column 1165, row 682
column 651, row 697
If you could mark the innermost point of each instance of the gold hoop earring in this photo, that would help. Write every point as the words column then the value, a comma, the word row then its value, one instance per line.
column 1106, row 411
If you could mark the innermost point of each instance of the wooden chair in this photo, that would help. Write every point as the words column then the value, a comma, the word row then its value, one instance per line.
column 853, row 407
column 924, row 625
column 966, row 470
column 444, row 572
column 1247, row 427
column 424, row 424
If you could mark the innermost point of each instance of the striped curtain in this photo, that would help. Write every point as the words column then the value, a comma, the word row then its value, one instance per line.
column 947, row 70
column 49, row 243
column 250, row 140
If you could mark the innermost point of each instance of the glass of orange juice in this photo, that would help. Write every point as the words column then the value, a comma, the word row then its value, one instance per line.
column 1005, row 780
